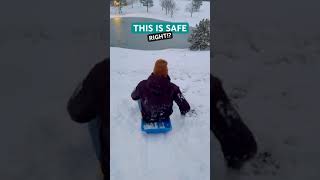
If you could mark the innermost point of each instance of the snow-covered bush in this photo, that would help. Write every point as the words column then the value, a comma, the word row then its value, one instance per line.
column 200, row 36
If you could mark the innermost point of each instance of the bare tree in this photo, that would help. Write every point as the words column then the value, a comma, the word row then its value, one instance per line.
column 132, row 2
column 197, row 4
column 193, row 6
column 169, row 6
column 189, row 8
column 172, row 7
column 147, row 3
column 162, row 4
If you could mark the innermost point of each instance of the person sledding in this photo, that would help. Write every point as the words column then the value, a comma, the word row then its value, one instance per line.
column 156, row 94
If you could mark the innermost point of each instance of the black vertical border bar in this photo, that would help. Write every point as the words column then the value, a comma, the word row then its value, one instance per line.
column 107, row 41
column 212, row 18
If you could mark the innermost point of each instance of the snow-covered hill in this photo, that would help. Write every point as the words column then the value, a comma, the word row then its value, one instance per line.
column 183, row 153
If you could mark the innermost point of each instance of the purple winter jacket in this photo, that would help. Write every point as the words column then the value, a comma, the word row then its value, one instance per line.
column 156, row 95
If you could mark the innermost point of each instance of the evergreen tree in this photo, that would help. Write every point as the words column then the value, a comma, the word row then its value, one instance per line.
column 200, row 36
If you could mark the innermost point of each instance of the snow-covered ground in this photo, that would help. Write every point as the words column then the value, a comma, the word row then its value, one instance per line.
column 156, row 12
column 183, row 153
column 39, row 74
column 271, row 71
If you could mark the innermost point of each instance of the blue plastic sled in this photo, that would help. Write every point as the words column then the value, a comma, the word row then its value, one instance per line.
column 162, row 126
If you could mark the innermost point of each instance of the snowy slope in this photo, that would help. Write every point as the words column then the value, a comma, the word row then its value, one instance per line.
column 184, row 153
column 156, row 12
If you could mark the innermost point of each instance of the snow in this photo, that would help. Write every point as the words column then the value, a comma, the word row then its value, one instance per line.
column 41, row 142
column 184, row 152
column 155, row 12
column 271, row 71
column 39, row 139
column 45, row 52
